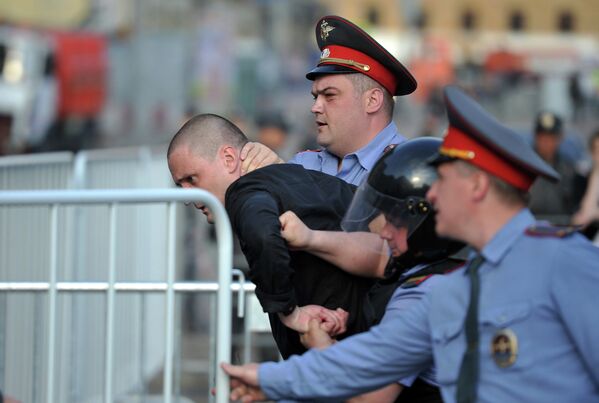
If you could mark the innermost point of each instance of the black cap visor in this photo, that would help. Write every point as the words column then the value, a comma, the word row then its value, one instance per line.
column 329, row 69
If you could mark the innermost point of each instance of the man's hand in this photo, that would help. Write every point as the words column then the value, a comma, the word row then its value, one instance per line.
column 333, row 321
column 257, row 155
column 316, row 336
column 244, row 382
column 294, row 231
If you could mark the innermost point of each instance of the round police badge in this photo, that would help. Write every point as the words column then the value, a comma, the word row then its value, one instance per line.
column 504, row 348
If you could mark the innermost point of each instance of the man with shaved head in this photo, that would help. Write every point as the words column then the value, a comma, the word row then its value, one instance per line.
column 289, row 284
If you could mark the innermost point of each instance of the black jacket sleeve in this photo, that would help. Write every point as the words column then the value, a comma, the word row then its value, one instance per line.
column 255, row 220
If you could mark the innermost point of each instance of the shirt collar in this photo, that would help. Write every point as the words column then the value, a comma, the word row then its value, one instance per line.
column 507, row 236
column 368, row 155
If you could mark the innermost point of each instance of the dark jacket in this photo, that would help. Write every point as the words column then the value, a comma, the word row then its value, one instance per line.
column 286, row 278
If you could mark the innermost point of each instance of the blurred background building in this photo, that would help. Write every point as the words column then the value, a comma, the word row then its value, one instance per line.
column 159, row 61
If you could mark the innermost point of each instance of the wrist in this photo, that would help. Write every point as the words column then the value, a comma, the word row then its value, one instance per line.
column 289, row 311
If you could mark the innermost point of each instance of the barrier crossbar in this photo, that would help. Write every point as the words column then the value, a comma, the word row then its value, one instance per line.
column 114, row 198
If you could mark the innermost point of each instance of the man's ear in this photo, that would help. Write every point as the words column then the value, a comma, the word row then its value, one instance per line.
column 481, row 183
column 373, row 100
column 230, row 158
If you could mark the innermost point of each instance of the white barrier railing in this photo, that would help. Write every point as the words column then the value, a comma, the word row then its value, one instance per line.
column 115, row 198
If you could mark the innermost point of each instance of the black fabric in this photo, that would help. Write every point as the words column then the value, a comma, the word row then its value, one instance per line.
column 381, row 292
column 286, row 278
column 420, row 392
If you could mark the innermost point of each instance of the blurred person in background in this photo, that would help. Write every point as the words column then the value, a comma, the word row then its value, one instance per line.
column 553, row 201
column 292, row 286
column 392, row 204
column 354, row 85
column 588, row 214
column 273, row 132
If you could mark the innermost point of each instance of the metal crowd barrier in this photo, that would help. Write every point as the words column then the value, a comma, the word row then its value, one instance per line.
column 114, row 199
column 37, row 171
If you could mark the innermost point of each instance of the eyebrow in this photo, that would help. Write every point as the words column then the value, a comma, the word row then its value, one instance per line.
column 324, row 90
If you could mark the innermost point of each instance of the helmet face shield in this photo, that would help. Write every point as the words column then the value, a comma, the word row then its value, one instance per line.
column 370, row 210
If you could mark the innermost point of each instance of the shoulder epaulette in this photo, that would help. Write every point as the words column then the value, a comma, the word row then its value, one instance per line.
column 389, row 148
column 551, row 230
column 443, row 267
column 415, row 281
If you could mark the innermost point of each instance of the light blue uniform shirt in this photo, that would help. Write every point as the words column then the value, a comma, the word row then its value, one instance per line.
column 357, row 352
column 401, row 300
column 355, row 166
column 539, row 288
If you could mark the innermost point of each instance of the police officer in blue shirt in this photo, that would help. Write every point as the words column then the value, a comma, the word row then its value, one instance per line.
column 515, row 325
column 354, row 85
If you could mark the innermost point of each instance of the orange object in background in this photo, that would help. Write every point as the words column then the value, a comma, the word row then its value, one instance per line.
column 433, row 68
column 504, row 61
column 81, row 73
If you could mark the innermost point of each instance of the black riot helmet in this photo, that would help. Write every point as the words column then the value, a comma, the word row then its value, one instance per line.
column 396, row 189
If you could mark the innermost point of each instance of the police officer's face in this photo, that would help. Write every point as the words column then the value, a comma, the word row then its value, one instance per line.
column 338, row 111
column 449, row 197
column 547, row 144
column 191, row 171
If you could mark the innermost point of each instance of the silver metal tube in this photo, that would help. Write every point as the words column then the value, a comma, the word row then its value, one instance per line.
column 110, row 297
column 66, row 286
column 224, row 239
column 170, row 306
column 247, row 335
column 106, row 196
column 241, row 294
column 52, row 293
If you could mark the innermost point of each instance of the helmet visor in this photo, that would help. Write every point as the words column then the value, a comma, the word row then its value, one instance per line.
column 370, row 210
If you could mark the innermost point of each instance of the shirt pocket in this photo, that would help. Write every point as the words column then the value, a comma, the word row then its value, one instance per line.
column 506, row 336
column 449, row 344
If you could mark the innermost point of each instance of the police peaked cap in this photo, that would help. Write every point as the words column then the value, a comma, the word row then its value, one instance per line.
column 346, row 48
column 478, row 138
column 548, row 122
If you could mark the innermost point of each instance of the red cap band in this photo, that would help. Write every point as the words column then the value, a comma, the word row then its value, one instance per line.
column 361, row 62
column 458, row 144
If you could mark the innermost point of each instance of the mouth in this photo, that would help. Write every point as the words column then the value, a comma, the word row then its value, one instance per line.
column 320, row 124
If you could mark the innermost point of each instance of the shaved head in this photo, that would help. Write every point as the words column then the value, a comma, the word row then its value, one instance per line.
column 204, row 134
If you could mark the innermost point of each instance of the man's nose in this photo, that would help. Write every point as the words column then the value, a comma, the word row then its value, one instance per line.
column 316, row 106
column 385, row 233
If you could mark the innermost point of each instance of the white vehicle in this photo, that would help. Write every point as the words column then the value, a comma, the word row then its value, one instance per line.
column 50, row 82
